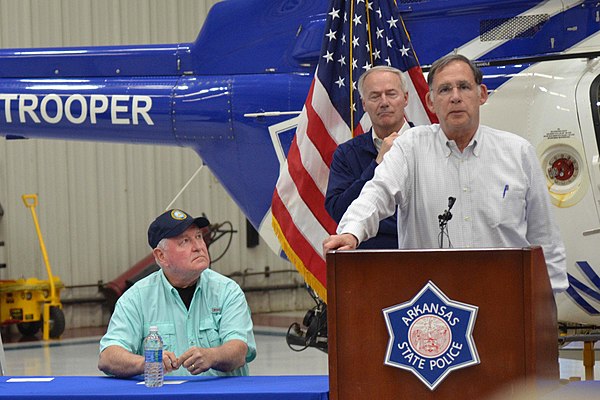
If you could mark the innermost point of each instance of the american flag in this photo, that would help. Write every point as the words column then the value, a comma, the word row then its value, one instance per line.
column 359, row 34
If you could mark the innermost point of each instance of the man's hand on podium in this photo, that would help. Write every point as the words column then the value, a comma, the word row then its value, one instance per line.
column 345, row 241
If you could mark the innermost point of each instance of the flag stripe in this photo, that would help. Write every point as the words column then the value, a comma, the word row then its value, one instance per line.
column 318, row 135
column 415, row 111
column 297, row 208
column 308, row 190
column 420, row 88
column 309, row 263
column 337, row 128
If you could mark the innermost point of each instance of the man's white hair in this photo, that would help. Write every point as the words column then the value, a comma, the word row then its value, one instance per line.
column 161, row 245
column 361, row 80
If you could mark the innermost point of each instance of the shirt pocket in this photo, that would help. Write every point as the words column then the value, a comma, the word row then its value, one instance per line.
column 511, row 206
column 208, row 334
column 166, row 330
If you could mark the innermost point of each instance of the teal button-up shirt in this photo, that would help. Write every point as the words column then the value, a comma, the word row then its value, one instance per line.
column 218, row 313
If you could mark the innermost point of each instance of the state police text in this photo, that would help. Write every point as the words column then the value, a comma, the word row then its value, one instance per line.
column 441, row 362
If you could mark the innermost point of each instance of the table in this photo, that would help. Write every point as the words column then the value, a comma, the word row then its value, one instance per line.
column 286, row 387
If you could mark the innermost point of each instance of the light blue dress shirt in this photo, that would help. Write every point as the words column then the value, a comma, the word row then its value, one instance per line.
column 500, row 191
column 218, row 313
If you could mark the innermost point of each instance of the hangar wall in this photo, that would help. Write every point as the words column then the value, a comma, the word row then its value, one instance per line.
column 97, row 199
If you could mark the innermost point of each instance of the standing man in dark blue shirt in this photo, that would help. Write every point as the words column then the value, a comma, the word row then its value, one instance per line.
column 384, row 96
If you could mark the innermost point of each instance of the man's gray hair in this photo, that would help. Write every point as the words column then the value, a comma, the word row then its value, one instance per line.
column 444, row 61
column 361, row 80
column 161, row 245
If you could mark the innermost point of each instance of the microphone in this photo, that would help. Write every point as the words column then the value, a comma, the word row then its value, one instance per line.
column 451, row 201
column 447, row 215
column 443, row 220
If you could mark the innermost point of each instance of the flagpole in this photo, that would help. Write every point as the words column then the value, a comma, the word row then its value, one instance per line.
column 369, row 32
column 350, row 67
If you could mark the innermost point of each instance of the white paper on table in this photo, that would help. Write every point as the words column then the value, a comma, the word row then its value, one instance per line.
column 48, row 379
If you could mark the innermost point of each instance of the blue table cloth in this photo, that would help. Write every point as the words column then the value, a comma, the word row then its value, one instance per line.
column 233, row 388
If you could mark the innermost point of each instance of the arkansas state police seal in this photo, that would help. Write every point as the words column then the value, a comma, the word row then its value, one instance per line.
column 431, row 335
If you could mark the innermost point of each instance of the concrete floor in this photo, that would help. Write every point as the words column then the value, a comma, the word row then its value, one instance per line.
column 77, row 354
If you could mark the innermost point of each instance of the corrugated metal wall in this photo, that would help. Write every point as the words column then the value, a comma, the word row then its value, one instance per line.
column 96, row 200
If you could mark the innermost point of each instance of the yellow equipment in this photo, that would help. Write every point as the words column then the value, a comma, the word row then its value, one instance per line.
column 33, row 303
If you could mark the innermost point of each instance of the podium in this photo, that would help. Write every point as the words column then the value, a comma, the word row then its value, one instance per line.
column 515, row 330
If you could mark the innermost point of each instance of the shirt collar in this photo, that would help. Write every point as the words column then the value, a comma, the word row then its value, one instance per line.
column 170, row 287
column 474, row 144
column 378, row 142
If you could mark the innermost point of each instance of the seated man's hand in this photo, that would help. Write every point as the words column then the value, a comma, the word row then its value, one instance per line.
column 197, row 360
column 227, row 357
column 170, row 362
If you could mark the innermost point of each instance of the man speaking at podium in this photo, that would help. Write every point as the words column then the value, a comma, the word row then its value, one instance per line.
column 489, row 179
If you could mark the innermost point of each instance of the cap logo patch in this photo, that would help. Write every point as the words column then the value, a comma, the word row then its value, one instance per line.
column 178, row 214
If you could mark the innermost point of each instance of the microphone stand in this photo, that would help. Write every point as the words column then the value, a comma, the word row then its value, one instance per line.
column 443, row 222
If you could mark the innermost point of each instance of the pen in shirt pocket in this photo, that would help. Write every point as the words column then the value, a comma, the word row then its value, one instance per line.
column 505, row 190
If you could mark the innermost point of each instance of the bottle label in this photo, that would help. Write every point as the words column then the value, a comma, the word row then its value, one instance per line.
column 153, row 356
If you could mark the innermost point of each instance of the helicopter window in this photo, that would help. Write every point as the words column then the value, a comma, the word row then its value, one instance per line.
column 510, row 28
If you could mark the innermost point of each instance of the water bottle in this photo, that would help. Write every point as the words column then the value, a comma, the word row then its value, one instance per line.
column 153, row 355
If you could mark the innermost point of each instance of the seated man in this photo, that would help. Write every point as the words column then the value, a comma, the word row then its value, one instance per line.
column 202, row 316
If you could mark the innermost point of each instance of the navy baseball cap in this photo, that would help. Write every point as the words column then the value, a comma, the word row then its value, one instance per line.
column 172, row 223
